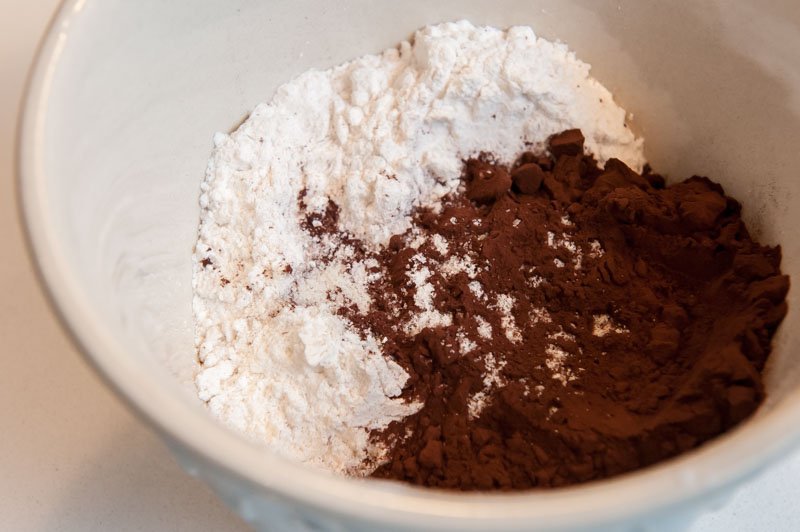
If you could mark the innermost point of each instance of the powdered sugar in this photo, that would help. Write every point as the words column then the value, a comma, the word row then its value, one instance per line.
column 491, row 379
column 596, row 249
column 484, row 328
column 457, row 264
column 565, row 242
column 477, row 289
column 440, row 244
column 465, row 344
column 378, row 137
column 427, row 316
column 603, row 325
column 505, row 305
column 540, row 315
column 556, row 362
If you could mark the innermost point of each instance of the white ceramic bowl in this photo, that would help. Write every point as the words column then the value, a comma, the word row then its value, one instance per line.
column 117, row 128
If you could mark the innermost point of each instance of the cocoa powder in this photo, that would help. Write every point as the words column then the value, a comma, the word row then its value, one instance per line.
column 563, row 323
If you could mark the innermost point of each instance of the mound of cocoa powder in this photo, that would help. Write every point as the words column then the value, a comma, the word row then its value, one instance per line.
column 563, row 323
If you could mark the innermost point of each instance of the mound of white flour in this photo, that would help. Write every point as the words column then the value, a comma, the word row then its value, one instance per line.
column 378, row 136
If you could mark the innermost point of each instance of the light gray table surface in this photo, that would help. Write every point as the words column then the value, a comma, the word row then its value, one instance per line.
column 73, row 458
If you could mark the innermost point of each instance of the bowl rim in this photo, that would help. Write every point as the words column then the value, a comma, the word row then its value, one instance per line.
column 695, row 476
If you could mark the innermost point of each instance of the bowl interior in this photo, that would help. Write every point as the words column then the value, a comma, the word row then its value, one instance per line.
column 122, row 121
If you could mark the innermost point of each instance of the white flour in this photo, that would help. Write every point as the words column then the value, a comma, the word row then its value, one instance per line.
column 378, row 136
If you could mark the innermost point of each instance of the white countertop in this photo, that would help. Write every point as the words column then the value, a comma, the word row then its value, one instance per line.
column 72, row 457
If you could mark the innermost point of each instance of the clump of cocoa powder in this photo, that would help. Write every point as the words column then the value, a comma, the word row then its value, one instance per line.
column 563, row 323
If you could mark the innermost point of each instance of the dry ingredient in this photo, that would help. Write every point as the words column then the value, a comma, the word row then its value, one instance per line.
column 385, row 286
column 378, row 137
column 628, row 322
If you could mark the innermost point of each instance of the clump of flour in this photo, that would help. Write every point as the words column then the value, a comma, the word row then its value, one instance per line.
column 377, row 137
